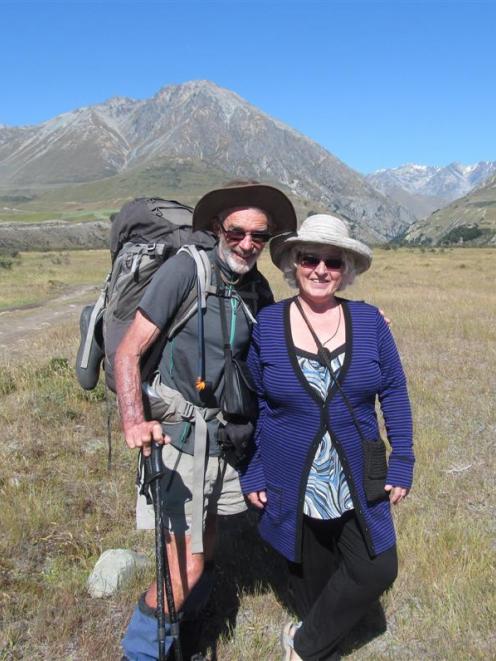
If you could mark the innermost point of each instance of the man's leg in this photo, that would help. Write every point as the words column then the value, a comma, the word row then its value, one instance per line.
column 191, row 586
column 185, row 570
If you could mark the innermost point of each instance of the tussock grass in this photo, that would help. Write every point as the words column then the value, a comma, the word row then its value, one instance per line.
column 61, row 508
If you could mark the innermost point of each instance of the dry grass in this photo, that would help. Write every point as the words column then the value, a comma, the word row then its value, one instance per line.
column 34, row 277
column 60, row 507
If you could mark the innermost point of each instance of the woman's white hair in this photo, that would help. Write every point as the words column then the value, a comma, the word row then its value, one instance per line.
column 288, row 264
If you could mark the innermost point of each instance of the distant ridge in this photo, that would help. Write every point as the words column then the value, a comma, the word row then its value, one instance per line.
column 195, row 122
column 423, row 188
column 468, row 220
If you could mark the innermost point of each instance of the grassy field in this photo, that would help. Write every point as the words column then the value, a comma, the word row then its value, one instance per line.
column 35, row 277
column 61, row 508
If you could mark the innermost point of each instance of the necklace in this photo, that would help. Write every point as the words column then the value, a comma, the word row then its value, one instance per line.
column 336, row 331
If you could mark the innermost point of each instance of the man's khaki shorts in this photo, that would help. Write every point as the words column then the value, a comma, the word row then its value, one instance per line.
column 221, row 495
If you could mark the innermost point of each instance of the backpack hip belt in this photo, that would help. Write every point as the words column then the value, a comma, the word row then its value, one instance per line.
column 168, row 405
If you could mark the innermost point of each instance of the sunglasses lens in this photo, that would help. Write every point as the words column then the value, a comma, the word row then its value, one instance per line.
column 235, row 235
column 333, row 263
column 238, row 235
column 260, row 237
column 312, row 261
column 309, row 261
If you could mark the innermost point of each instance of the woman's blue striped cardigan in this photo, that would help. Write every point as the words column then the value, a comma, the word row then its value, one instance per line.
column 292, row 421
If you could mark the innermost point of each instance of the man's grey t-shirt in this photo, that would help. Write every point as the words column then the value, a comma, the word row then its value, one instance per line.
column 179, row 364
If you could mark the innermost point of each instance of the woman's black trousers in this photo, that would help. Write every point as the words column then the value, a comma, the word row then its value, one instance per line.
column 335, row 584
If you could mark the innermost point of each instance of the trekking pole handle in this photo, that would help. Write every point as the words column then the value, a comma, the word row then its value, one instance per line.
column 156, row 460
column 154, row 467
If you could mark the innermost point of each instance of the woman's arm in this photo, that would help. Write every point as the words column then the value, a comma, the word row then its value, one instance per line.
column 252, row 476
column 396, row 409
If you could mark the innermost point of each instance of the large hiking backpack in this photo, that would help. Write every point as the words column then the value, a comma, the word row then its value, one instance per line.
column 144, row 233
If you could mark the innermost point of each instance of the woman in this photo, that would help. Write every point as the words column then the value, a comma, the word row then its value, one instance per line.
column 319, row 473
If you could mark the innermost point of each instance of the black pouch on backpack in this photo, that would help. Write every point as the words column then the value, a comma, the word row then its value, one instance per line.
column 375, row 470
column 235, row 442
column 239, row 399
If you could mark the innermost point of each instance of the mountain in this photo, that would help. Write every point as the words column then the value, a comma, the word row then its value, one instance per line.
column 470, row 219
column 422, row 188
column 193, row 123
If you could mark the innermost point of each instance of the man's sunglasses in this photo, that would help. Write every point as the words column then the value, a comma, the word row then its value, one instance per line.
column 237, row 235
column 309, row 261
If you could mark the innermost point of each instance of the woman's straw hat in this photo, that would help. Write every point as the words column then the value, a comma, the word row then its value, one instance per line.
column 326, row 230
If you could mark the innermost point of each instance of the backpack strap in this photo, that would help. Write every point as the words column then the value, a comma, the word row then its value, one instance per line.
column 203, row 280
column 187, row 308
column 203, row 271
column 199, row 293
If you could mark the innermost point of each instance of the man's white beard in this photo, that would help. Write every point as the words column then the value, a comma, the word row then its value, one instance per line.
column 236, row 263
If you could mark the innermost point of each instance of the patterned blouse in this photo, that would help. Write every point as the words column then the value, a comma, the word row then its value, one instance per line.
column 327, row 494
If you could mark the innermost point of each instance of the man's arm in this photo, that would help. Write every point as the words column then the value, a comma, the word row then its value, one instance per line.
column 138, row 432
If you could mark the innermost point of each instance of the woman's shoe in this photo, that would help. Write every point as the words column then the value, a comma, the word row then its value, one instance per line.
column 287, row 642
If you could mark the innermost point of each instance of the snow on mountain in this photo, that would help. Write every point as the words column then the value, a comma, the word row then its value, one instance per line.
column 449, row 183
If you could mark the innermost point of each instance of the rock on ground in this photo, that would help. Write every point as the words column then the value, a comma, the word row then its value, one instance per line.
column 113, row 568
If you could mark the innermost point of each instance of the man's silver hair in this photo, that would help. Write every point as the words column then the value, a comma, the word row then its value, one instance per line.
column 288, row 264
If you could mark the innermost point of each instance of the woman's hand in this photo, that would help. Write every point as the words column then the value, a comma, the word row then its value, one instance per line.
column 396, row 494
column 257, row 498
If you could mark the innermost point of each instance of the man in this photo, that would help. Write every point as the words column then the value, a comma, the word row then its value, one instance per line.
column 244, row 215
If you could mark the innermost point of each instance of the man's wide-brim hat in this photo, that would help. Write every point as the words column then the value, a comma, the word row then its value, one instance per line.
column 241, row 194
column 326, row 230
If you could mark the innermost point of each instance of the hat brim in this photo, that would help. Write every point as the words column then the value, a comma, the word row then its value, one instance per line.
column 269, row 199
column 280, row 245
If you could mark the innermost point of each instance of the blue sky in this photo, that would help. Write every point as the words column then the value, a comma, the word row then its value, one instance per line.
column 378, row 84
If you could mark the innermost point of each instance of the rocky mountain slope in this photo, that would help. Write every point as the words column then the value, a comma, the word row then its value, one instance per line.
column 470, row 219
column 423, row 188
column 199, row 122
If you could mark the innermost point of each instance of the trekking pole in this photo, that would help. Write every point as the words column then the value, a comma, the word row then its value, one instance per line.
column 154, row 471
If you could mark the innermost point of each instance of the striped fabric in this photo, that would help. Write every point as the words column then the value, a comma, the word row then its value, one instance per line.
column 292, row 421
column 327, row 495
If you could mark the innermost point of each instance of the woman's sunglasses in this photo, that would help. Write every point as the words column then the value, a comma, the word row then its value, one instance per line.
column 309, row 261
column 237, row 235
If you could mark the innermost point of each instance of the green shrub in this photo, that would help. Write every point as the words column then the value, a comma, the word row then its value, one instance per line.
column 7, row 383
column 463, row 233
column 8, row 258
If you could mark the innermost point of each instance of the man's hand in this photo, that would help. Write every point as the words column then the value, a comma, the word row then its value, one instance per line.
column 142, row 434
column 396, row 494
column 257, row 498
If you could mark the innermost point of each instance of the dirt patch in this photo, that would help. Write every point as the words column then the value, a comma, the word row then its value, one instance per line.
column 20, row 327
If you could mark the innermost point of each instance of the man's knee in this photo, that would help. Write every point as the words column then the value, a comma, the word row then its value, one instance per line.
column 185, row 569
